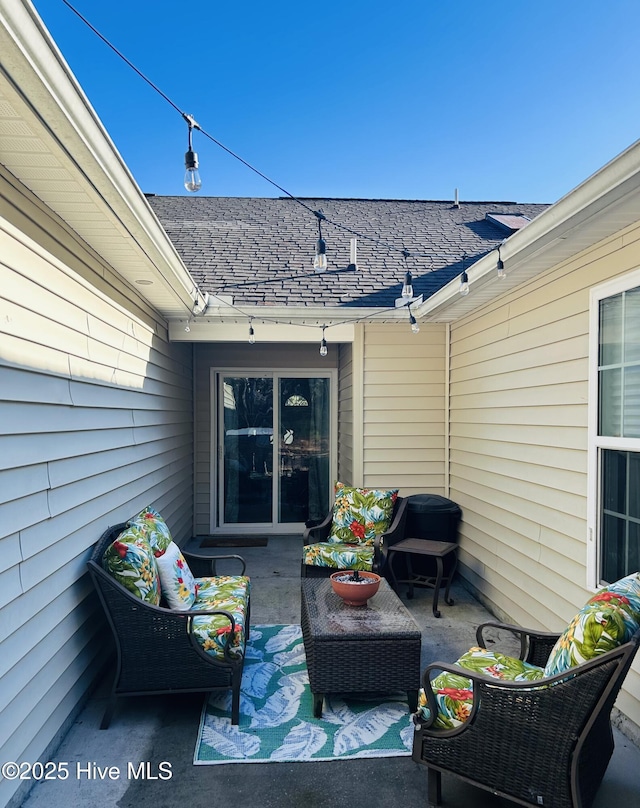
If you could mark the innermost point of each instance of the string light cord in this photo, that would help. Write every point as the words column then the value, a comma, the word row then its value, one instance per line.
column 189, row 119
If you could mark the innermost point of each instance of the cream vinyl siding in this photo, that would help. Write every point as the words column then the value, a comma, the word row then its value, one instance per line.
column 518, row 442
column 95, row 423
column 404, row 408
column 346, row 415
column 210, row 357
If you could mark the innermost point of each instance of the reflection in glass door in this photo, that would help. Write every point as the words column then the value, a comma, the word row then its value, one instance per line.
column 278, row 475
column 303, row 461
column 248, row 449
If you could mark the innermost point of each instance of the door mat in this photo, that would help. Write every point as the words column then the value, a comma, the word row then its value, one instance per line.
column 232, row 541
column 276, row 713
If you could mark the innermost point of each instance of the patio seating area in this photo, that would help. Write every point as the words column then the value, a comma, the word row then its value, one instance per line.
column 157, row 729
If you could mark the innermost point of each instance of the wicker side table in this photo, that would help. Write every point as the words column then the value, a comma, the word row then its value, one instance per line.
column 359, row 649
column 436, row 549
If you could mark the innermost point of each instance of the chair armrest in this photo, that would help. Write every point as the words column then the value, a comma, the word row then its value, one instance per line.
column 318, row 533
column 391, row 536
column 396, row 530
column 207, row 557
column 203, row 613
column 535, row 645
column 494, row 686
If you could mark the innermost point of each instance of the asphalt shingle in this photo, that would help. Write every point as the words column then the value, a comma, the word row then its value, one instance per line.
column 260, row 250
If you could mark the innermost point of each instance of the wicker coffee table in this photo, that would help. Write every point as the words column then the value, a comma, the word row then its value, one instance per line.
column 359, row 649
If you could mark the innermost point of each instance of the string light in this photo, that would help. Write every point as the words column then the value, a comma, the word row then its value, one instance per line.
column 500, row 265
column 407, row 288
column 464, row 279
column 252, row 334
column 320, row 260
column 192, row 181
column 323, row 343
column 414, row 323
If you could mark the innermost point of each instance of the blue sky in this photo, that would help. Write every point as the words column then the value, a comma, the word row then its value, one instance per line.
column 407, row 99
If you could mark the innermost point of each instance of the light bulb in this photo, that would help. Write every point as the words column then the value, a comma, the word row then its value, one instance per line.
column 464, row 284
column 407, row 289
column 192, row 181
column 414, row 324
column 323, row 347
column 187, row 328
column 252, row 336
column 501, row 270
column 320, row 259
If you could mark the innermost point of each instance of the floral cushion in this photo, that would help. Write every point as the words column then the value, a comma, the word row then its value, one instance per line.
column 178, row 584
column 454, row 692
column 227, row 592
column 606, row 621
column 132, row 563
column 361, row 514
column 338, row 556
column 156, row 530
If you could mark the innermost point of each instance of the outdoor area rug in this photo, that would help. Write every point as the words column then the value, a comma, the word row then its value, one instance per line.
column 276, row 716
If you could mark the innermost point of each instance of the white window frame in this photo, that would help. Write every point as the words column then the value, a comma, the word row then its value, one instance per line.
column 624, row 283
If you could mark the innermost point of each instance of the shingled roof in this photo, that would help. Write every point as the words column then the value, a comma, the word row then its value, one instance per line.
column 260, row 251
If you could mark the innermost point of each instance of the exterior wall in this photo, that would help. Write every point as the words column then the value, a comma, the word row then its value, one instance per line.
column 95, row 423
column 346, row 445
column 237, row 356
column 518, row 442
column 404, row 408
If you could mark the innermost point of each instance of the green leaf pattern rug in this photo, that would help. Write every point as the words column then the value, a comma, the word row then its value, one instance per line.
column 276, row 718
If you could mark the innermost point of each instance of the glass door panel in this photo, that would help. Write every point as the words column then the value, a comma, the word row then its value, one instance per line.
column 303, row 449
column 247, row 449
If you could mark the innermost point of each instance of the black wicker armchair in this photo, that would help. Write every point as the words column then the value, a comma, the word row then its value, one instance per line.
column 156, row 649
column 542, row 743
column 394, row 534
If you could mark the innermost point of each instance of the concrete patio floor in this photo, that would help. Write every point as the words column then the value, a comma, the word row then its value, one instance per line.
column 163, row 729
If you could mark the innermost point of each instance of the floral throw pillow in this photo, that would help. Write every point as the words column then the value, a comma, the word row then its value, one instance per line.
column 606, row 621
column 156, row 530
column 361, row 514
column 178, row 584
column 130, row 560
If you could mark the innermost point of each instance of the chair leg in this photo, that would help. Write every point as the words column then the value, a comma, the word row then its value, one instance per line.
column 108, row 713
column 235, row 703
column 434, row 787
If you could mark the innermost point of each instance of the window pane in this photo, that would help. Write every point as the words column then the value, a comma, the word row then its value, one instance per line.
column 632, row 326
column 613, row 530
column 614, row 481
column 634, row 485
column 633, row 562
column 631, row 426
column 610, row 402
column 611, row 331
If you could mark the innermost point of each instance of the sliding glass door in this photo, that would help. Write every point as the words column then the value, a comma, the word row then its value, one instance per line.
column 275, row 449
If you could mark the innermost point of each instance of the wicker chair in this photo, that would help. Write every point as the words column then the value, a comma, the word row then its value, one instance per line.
column 545, row 743
column 394, row 534
column 156, row 649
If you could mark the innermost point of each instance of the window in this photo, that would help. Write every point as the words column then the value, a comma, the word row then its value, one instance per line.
column 614, row 462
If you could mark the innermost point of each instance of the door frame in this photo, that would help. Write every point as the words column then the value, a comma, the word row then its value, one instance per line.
column 216, row 493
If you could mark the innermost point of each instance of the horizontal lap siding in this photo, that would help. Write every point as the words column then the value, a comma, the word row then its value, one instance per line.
column 404, row 407
column 518, row 442
column 96, row 423
column 346, row 415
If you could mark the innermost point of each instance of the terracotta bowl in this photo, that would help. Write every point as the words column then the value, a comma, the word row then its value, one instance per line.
column 353, row 593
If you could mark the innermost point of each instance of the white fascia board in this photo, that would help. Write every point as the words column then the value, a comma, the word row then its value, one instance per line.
column 201, row 330
column 229, row 323
column 37, row 71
